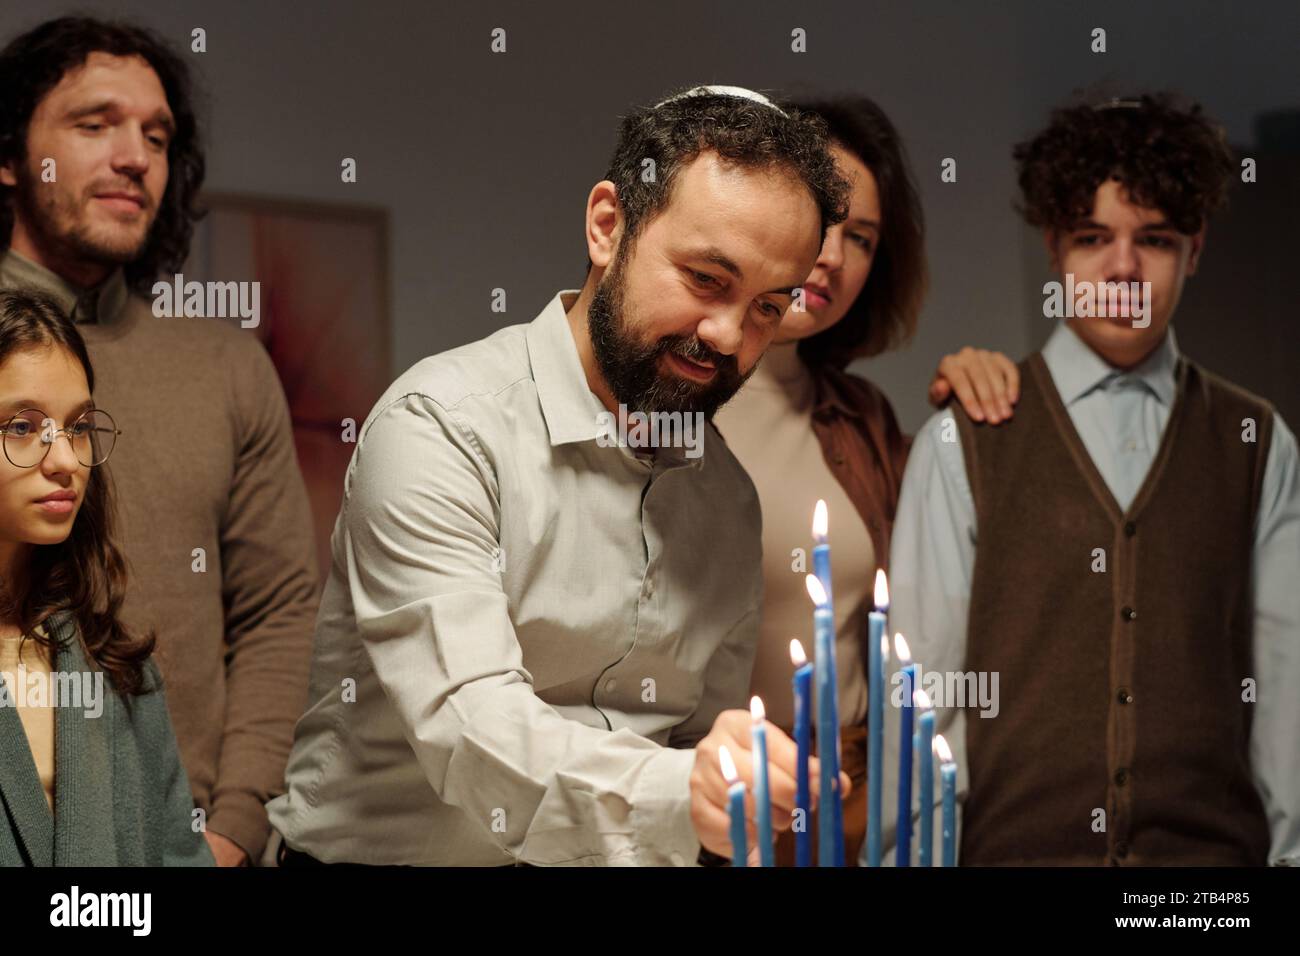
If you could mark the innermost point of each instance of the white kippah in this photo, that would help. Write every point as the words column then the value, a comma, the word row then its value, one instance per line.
column 739, row 91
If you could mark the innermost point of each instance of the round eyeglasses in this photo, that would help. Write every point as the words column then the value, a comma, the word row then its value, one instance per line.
column 29, row 436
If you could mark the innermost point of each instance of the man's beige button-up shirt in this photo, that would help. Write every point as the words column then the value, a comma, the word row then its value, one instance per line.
column 525, row 629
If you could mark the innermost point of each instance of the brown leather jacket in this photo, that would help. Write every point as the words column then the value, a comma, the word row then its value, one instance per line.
column 865, row 449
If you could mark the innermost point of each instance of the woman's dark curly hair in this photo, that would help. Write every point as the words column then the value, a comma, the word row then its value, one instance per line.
column 1168, row 157
column 85, row 573
column 885, row 313
column 33, row 64
column 745, row 132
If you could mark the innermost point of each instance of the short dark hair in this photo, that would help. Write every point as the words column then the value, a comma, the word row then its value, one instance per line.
column 1167, row 155
column 742, row 131
column 885, row 313
column 85, row 574
column 33, row 64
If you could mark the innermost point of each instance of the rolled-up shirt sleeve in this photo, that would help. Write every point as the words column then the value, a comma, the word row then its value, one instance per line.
column 420, row 533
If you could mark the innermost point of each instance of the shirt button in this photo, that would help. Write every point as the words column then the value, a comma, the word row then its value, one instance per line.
column 610, row 685
column 1130, row 445
column 1121, row 777
column 1128, row 614
column 1124, row 696
column 1130, row 528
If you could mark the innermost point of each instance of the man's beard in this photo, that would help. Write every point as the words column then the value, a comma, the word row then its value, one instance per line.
column 51, row 218
column 632, row 367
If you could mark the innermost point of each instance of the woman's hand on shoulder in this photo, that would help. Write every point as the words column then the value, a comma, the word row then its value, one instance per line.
column 986, row 383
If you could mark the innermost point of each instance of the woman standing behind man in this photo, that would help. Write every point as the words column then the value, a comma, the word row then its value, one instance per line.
column 804, row 428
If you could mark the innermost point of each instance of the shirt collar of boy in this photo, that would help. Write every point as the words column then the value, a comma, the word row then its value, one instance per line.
column 1077, row 370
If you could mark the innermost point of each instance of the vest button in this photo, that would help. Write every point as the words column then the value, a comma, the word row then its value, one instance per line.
column 1130, row 528
column 1121, row 850
column 837, row 458
column 1124, row 696
column 1121, row 777
column 1128, row 613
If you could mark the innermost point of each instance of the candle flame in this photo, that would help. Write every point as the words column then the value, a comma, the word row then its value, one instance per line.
column 942, row 750
column 921, row 699
column 728, row 765
column 821, row 521
column 815, row 590
column 901, row 650
column 882, row 590
column 797, row 656
column 756, row 709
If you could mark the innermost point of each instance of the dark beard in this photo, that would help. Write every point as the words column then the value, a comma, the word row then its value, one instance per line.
column 631, row 367
column 73, row 245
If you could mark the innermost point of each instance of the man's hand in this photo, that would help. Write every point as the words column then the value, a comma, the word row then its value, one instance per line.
column 225, row 850
column 986, row 383
column 709, row 806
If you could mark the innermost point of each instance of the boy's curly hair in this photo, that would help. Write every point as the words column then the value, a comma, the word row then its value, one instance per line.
column 1167, row 156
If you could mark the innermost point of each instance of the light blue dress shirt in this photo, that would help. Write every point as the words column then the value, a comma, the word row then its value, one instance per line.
column 1120, row 416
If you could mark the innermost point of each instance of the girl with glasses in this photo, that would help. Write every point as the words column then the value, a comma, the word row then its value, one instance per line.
column 89, row 770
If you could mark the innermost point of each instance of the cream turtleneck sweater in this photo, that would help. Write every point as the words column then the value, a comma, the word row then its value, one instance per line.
column 768, row 426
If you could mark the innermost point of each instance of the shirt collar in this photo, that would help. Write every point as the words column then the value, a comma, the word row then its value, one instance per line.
column 572, row 411
column 568, row 405
column 103, row 304
column 1077, row 370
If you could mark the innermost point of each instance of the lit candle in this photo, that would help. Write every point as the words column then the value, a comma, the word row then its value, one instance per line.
column 762, row 795
column 948, row 775
column 736, row 804
column 830, row 836
column 822, row 549
column 925, row 754
column 875, row 715
column 903, row 848
column 822, row 568
column 803, row 672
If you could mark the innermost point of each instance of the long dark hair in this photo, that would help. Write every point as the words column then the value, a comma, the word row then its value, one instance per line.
column 885, row 313
column 33, row 64
column 85, row 573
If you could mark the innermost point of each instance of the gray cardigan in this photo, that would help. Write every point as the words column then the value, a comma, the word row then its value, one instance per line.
column 121, row 797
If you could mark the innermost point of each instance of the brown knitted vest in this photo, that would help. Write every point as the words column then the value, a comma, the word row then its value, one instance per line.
column 1120, row 691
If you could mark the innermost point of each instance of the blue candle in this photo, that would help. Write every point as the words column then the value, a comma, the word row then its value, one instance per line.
column 762, row 794
column 822, row 549
column 828, row 833
column 736, row 806
column 803, row 672
column 903, row 848
column 875, row 715
column 948, row 775
column 925, row 754
column 822, row 568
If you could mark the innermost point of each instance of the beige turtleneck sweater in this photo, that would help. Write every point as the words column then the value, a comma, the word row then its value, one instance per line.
column 768, row 426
